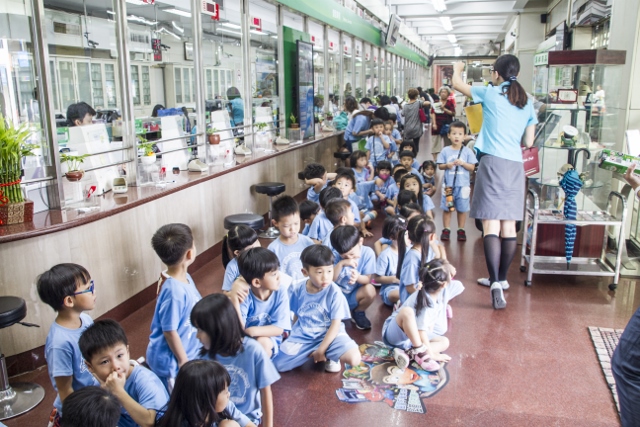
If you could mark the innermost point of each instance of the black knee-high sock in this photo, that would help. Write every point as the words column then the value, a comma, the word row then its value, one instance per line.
column 508, row 251
column 492, row 255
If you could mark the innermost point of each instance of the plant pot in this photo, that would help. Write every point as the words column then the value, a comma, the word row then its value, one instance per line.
column 74, row 176
column 214, row 139
column 294, row 126
column 148, row 160
column 16, row 213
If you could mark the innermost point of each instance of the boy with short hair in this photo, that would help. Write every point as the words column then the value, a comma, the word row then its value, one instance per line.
column 316, row 176
column 105, row 349
column 290, row 244
column 410, row 146
column 173, row 340
column 308, row 212
column 264, row 313
column 69, row 290
column 347, row 183
column 319, row 307
column 321, row 225
column 407, row 159
column 457, row 161
column 378, row 145
column 339, row 213
column 352, row 272
column 91, row 406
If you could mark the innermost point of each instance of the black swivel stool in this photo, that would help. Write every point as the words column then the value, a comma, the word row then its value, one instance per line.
column 270, row 189
column 342, row 155
column 252, row 220
column 17, row 398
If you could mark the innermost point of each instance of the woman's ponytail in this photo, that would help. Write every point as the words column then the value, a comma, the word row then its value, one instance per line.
column 508, row 67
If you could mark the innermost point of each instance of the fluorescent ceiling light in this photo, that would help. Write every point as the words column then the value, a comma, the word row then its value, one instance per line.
column 230, row 25
column 224, row 30
column 452, row 38
column 274, row 37
column 178, row 12
column 457, row 51
column 446, row 23
column 137, row 2
column 177, row 27
column 140, row 20
column 111, row 12
column 439, row 5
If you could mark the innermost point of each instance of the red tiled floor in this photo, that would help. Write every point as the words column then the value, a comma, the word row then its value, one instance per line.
column 529, row 365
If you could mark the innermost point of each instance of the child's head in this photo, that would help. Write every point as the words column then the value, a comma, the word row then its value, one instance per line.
column 308, row 211
column 428, row 168
column 393, row 118
column 219, row 328
column 259, row 267
column 339, row 212
column 105, row 348
column 286, row 216
column 346, row 240
column 200, row 395
column 383, row 169
column 406, row 196
column 410, row 210
column 420, row 230
column 377, row 125
column 329, row 194
column 358, row 159
column 317, row 265
column 314, row 170
column 434, row 275
column 392, row 227
column 346, row 183
column 239, row 238
column 174, row 245
column 398, row 173
column 411, row 182
column 457, row 131
column 90, row 406
column 407, row 145
column 388, row 127
column 406, row 159
column 67, row 286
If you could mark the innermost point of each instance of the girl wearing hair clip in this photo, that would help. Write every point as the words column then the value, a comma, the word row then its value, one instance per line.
column 387, row 263
column 416, row 330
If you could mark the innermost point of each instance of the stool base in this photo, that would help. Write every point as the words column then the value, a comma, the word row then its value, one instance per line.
column 270, row 233
column 19, row 398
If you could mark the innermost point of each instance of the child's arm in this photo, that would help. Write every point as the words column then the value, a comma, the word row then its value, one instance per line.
column 385, row 141
column 372, row 172
column 142, row 416
column 175, row 344
column 413, row 287
column 364, row 231
column 64, row 386
column 331, row 176
column 266, row 398
column 264, row 331
column 317, row 184
column 364, row 279
column 238, row 306
column 319, row 353
column 239, row 290
column 342, row 264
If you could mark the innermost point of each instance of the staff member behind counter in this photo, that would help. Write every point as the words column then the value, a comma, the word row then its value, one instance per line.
column 80, row 114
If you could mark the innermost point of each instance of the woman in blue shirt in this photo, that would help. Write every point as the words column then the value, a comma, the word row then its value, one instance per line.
column 359, row 126
column 237, row 106
column 498, row 197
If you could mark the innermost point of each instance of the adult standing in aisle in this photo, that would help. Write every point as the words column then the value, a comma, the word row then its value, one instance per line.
column 443, row 111
column 498, row 197
column 413, row 127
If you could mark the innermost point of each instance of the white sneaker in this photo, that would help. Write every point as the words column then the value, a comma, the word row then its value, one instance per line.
column 401, row 358
column 333, row 367
column 485, row 282
column 497, row 297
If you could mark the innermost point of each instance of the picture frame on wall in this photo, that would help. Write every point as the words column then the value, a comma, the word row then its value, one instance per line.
column 188, row 51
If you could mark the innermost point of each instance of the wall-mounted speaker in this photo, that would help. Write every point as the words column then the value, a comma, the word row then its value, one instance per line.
column 543, row 18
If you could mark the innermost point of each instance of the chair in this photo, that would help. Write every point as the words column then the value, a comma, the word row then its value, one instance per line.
column 270, row 189
column 343, row 156
column 252, row 220
column 16, row 398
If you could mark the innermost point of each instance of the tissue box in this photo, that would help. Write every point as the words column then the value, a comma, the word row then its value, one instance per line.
column 616, row 161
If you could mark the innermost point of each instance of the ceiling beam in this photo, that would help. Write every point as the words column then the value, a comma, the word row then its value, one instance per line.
column 458, row 31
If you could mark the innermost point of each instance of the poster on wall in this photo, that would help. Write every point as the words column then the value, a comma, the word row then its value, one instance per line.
column 305, row 89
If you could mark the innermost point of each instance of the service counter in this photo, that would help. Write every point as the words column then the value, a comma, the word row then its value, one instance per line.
column 113, row 241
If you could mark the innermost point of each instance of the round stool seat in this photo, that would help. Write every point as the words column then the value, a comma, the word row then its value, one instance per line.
column 270, row 188
column 301, row 176
column 342, row 155
column 12, row 310
column 252, row 220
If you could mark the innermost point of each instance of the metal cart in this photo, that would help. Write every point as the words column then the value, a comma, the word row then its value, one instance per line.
column 579, row 266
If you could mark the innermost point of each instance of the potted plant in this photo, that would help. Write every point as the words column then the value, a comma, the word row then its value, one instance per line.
column 212, row 136
column 148, row 156
column 294, row 122
column 74, row 173
column 13, row 147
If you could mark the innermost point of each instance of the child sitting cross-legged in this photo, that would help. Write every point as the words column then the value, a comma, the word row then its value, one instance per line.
column 105, row 349
column 428, row 171
column 321, row 225
column 320, row 307
column 352, row 273
column 308, row 212
column 387, row 263
column 411, row 182
column 346, row 183
column 265, row 312
column 339, row 212
column 316, row 176
column 385, row 186
column 238, row 239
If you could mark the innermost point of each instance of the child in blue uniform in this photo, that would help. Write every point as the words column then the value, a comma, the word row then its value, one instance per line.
column 290, row 244
column 316, row 176
column 378, row 145
column 346, row 182
column 339, row 213
column 238, row 239
column 265, row 312
column 105, row 349
column 251, row 370
column 320, row 307
column 420, row 230
column 308, row 212
column 69, row 290
column 321, row 225
column 173, row 340
column 412, row 183
column 91, row 406
column 387, row 263
column 385, row 186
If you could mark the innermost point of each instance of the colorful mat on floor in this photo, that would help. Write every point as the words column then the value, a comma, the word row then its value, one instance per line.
column 605, row 341
column 378, row 379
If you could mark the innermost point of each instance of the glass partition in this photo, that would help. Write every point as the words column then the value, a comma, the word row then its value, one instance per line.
column 359, row 71
column 368, row 69
column 317, row 38
column 347, row 58
column 375, row 53
column 333, row 73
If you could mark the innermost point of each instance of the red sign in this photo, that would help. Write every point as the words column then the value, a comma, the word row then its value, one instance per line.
column 330, row 45
column 209, row 7
column 313, row 39
column 157, row 49
column 256, row 23
column 149, row 1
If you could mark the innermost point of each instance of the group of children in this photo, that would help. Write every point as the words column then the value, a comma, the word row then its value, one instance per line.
column 211, row 361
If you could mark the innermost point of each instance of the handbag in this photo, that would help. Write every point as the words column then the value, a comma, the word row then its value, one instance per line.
column 444, row 130
column 530, row 160
column 423, row 116
column 474, row 117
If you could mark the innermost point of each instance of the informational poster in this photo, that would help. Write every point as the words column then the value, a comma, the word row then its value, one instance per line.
column 305, row 89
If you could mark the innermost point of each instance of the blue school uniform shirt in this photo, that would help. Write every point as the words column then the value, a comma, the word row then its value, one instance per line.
column 362, row 195
column 503, row 124
column 415, row 172
column 366, row 265
column 387, row 263
column 387, row 186
column 64, row 358
column 449, row 155
column 395, row 133
column 173, row 313
column 289, row 255
column 353, row 198
column 410, row 273
column 327, row 242
column 235, row 415
column 316, row 311
column 357, row 124
column 305, row 230
column 320, row 226
column 231, row 273
column 375, row 146
column 274, row 311
column 312, row 195
column 251, row 370
column 145, row 388
column 427, row 203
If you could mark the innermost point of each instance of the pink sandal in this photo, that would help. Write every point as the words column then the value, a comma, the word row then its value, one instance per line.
column 421, row 357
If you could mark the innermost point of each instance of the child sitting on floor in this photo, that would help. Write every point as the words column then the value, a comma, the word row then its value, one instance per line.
column 321, row 226
column 387, row 263
column 238, row 239
column 91, row 406
column 428, row 171
column 385, row 186
column 339, row 213
column 412, row 183
column 347, row 184
column 308, row 211
column 316, row 176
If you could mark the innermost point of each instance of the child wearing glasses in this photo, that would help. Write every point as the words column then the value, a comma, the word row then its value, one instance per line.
column 69, row 290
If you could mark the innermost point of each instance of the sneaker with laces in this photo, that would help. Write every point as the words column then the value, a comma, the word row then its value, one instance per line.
column 485, row 282
column 446, row 234
column 421, row 357
column 497, row 296
column 462, row 236
column 401, row 358
column 360, row 319
column 332, row 366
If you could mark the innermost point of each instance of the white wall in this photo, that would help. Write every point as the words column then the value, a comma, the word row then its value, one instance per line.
column 530, row 34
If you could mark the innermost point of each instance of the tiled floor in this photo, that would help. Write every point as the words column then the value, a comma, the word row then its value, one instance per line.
column 532, row 364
